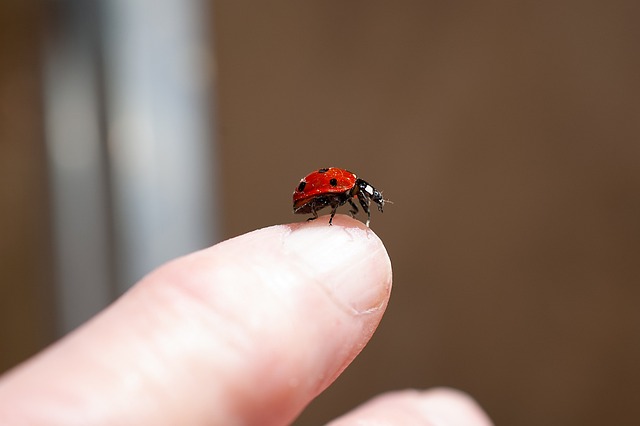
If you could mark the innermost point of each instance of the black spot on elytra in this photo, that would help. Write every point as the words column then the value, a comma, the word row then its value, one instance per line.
column 301, row 186
column 323, row 170
column 333, row 182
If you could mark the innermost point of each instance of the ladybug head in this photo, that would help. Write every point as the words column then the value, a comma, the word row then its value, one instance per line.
column 367, row 191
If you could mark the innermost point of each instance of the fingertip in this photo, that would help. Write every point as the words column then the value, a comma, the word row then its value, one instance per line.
column 348, row 258
column 454, row 406
column 312, row 296
column 440, row 406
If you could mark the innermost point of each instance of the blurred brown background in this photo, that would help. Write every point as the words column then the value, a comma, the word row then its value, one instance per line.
column 505, row 133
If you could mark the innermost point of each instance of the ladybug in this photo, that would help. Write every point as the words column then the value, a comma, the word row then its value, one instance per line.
column 334, row 187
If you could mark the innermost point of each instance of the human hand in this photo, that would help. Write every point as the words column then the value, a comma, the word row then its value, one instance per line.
column 246, row 332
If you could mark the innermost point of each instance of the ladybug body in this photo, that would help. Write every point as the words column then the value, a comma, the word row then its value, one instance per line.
column 334, row 187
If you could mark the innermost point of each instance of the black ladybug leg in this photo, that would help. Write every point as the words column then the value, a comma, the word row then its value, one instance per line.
column 354, row 208
column 333, row 213
column 364, row 202
column 315, row 214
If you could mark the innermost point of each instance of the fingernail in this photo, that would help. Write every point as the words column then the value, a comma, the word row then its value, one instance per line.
column 350, row 262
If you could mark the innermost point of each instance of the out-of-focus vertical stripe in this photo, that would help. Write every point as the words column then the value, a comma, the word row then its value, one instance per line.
column 77, row 167
column 130, row 137
column 159, row 131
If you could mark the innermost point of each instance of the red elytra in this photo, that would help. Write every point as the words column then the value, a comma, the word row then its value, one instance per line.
column 334, row 187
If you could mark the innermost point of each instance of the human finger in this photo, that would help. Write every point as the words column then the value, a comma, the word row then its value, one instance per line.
column 245, row 332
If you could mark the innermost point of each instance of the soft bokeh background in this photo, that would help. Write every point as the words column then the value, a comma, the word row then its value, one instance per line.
column 507, row 134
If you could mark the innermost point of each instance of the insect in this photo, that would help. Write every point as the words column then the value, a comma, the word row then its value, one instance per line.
column 334, row 187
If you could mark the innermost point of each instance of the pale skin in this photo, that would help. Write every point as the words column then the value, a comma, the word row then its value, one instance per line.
column 247, row 332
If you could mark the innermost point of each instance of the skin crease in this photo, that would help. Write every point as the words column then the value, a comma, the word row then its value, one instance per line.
column 246, row 332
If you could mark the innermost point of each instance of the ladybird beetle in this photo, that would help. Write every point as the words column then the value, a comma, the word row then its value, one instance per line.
column 334, row 187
